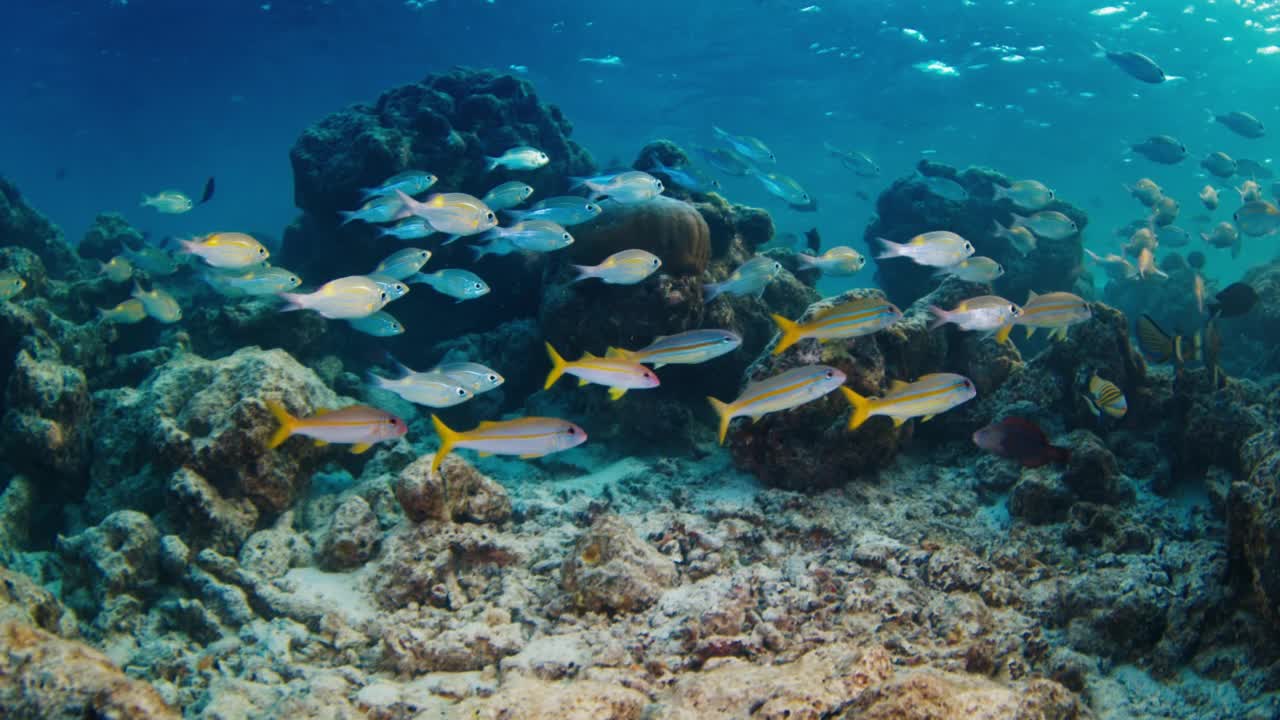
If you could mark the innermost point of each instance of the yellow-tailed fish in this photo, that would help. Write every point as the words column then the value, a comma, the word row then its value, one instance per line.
column 230, row 250
column 627, row 267
column 126, row 313
column 985, row 312
column 781, row 392
column 359, row 426
column 1055, row 311
column 118, row 269
column 939, row 248
column 355, row 296
column 840, row 260
column 159, row 304
column 1105, row 397
column 686, row 348
column 924, row 398
column 855, row 318
column 10, row 284
column 528, row 437
column 617, row 374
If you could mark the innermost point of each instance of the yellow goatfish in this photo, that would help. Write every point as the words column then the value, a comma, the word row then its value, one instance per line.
column 617, row 374
column 1056, row 311
column 527, row 437
column 856, row 318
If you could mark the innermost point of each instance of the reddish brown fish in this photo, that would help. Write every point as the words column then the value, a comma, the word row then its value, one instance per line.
column 1022, row 440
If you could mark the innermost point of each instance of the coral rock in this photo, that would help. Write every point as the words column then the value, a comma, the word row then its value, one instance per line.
column 1253, row 518
column 44, row 676
column 22, row 226
column 458, row 493
column 612, row 570
column 352, row 536
column 44, row 427
column 105, row 237
column 120, row 555
column 671, row 229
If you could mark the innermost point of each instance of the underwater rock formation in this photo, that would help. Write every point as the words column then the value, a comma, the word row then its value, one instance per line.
column 105, row 237
column 1253, row 516
column 908, row 207
column 611, row 570
column 23, row 226
column 207, row 421
column 671, row 229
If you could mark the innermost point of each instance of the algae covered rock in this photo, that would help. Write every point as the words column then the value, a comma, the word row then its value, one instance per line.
column 23, row 226
column 119, row 555
column 210, row 418
column 457, row 493
column 612, row 570
column 1253, row 519
column 105, row 237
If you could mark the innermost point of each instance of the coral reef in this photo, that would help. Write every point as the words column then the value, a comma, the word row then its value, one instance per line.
column 908, row 207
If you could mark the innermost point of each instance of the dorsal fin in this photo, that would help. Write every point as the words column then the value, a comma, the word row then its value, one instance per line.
column 896, row 385
column 1032, row 295
column 485, row 424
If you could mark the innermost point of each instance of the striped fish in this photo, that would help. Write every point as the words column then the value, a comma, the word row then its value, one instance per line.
column 780, row 392
column 358, row 425
column 686, row 348
column 1105, row 397
column 614, row 373
column 1056, row 311
column 856, row 318
column 527, row 437
column 926, row 397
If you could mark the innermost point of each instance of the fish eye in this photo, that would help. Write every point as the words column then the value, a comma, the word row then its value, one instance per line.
column 572, row 431
column 491, row 378
column 391, row 421
column 382, row 295
column 655, row 262
column 830, row 374
column 967, row 384
column 1014, row 309
column 460, row 392
column 262, row 251
column 777, row 266
column 488, row 216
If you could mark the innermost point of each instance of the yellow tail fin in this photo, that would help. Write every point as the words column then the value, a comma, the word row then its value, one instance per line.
column 1002, row 336
column 558, row 366
column 790, row 333
column 861, row 407
column 725, row 415
column 448, row 438
column 287, row 423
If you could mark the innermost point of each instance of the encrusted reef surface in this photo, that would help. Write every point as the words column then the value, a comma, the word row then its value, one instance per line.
column 159, row 561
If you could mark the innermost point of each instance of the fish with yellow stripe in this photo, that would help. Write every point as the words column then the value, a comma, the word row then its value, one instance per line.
column 527, row 437
column 617, row 374
column 360, row 426
column 687, row 348
column 781, row 392
column 1055, row 311
column 928, row 396
column 1105, row 397
column 856, row 318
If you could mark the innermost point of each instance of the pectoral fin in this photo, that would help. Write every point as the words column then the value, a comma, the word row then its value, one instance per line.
column 582, row 381
column 926, row 418
column 616, row 392
column 532, row 455
column 321, row 443
column 897, row 421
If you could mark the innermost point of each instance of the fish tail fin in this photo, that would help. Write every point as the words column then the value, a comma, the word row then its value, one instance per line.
column 348, row 215
column 1235, row 246
column 293, row 301
column 861, row 407
column 1002, row 336
column 790, row 333
column 999, row 230
column 187, row 246
column 806, row 261
column 410, row 205
column 940, row 317
column 724, row 414
column 998, row 193
column 448, row 439
column 1098, row 50
column 558, row 366
column 1019, row 221
column 584, row 272
column 490, row 163
column 576, row 182
column 711, row 291
column 891, row 249
column 287, row 423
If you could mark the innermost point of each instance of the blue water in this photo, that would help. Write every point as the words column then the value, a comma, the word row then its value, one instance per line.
column 112, row 99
